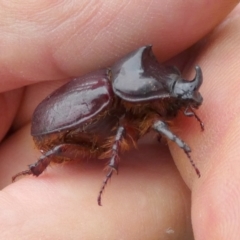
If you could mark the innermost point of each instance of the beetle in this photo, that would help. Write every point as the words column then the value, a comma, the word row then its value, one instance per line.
column 105, row 112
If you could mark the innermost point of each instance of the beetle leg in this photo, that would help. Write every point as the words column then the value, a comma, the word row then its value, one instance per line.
column 26, row 172
column 113, row 163
column 36, row 168
column 192, row 113
column 162, row 128
column 65, row 150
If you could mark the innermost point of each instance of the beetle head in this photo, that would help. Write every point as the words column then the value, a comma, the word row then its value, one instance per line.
column 187, row 91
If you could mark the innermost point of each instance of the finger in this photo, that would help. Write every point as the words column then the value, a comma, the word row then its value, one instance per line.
column 9, row 104
column 216, row 204
column 65, row 39
column 147, row 192
column 67, row 44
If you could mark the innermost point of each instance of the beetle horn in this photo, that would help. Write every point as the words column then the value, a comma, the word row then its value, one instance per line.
column 198, row 78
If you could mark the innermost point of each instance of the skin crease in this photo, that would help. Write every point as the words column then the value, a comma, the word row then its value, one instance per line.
column 148, row 199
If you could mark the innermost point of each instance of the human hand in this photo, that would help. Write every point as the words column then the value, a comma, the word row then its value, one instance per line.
column 148, row 199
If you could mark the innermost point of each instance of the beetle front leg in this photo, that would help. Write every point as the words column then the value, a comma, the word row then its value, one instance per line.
column 113, row 163
column 191, row 113
column 162, row 128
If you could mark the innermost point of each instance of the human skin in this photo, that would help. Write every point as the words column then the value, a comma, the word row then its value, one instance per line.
column 43, row 44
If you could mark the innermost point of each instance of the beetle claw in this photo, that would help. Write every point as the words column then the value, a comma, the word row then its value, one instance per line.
column 23, row 173
column 108, row 176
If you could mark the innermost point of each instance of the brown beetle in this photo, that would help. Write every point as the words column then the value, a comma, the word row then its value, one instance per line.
column 107, row 111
